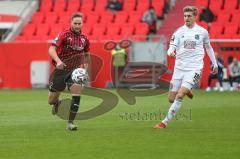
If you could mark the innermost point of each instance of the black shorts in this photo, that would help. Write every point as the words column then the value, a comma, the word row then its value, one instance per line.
column 59, row 79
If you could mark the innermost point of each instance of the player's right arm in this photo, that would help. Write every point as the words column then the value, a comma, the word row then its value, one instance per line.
column 53, row 50
column 173, row 45
column 53, row 54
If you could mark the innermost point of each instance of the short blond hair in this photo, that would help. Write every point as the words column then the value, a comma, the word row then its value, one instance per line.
column 191, row 9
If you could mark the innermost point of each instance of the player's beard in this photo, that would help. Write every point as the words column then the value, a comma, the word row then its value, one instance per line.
column 77, row 31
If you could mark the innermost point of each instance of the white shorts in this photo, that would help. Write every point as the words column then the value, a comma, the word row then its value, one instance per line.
column 187, row 79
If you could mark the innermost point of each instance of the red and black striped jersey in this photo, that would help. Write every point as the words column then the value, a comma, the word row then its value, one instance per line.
column 70, row 44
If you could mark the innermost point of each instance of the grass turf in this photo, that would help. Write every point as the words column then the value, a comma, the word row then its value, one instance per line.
column 206, row 127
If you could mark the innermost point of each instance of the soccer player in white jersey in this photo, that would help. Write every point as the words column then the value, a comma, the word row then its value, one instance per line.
column 188, row 42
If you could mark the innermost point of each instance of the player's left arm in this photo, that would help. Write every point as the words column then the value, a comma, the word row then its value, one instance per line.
column 212, row 57
column 210, row 53
column 87, row 59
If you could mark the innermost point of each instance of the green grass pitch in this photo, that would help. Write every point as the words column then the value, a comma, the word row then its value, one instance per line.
column 206, row 127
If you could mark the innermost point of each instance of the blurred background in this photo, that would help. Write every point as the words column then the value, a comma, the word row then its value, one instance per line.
column 28, row 26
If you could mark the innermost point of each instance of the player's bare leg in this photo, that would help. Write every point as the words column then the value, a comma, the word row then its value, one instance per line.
column 182, row 92
column 53, row 99
column 190, row 94
column 75, row 90
column 172, row 96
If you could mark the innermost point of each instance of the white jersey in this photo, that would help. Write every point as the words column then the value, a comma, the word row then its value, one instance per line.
column 189, row 44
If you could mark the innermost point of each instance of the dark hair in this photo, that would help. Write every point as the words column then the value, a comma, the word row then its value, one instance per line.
column 76, row 15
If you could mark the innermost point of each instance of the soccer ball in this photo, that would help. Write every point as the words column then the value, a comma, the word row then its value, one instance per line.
column 80, row 76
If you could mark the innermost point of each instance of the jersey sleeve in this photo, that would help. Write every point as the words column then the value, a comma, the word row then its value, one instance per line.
column 58, row 40
column 87, row 46
column 206, row 38
column 174, row 40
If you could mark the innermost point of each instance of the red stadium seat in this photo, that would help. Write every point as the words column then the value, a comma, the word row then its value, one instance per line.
column 139, row 13
column 113, row 29
column 158, row 6
column 235, row 18
column 203, row 24
column 121, row 17
column 66, row 26
column 142, row 7
column 230, row 5
column 231, row 28
column 42, row 29
column 38, row 17
column 236, row 36
column 59, row 6
column 105, row 38
column 127, row 30
column 87, row 2
column 100, row 7
column 73, row 5
column 64, row 19
column 134, row 18
column 21, row 38
column 158, row 9
column 226, row 12
column 87, row 7
column 224, row 36
column 39, row 38
column 101, row 2
column 129, row 6
column 54, row 31
column 142, row 29
column 200, row 3
column 116, row 38
column 141, row 2
column 106, row 17
column 92, row 19
column 48, row 38
column 223, row 18
column 87, row 30
column 99, row 31
column 236, row 11
column 93, row 37
column 29, row 30
column 51, row 19
column 216, row 6
column 130, row 1
column 63, row 2
column 158, row 3
column 216, row 29
column 46, row 6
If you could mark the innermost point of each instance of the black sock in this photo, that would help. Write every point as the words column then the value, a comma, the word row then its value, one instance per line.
column 74, row 108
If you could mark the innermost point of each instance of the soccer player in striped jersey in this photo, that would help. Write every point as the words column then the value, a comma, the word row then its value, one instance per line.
column 68, row 51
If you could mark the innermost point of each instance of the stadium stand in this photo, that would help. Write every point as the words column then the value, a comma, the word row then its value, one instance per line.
column 227, row 14
column 200, row 3
column 57, row 12
column 55, row 15
column 226, row 25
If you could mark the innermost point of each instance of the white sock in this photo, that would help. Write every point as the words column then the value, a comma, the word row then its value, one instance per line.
column 172, row 111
